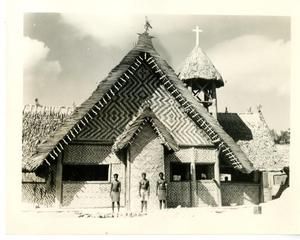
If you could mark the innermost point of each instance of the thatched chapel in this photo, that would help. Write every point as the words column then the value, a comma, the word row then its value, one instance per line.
column 143, row 117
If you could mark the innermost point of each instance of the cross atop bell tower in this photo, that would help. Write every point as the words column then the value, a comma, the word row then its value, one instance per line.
column 201, row 77
column 197, row 30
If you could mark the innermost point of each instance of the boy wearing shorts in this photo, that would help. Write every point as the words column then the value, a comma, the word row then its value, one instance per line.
column 144, row 192
column 115, row 191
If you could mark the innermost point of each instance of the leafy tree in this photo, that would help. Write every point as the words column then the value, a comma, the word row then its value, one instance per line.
column 282, row 138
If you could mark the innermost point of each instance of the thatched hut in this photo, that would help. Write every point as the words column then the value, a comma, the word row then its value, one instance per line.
column 141, row 118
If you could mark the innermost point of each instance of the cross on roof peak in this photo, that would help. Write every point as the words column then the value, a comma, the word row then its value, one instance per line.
column 197, row 30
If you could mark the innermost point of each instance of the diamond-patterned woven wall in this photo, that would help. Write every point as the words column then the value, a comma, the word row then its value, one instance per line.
column 179, row 193
column 142, row 86
column 239, row 193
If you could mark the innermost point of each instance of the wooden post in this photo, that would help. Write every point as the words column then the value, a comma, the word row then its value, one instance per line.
column 58, row 182
column 194, row 181
column 266, row 191
column 214, row 100
column 255, row 176
column 128, row 185
column 217, row 178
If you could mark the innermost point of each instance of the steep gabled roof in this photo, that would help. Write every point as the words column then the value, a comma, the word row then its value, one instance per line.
column 234, row 125
column 198, row 66
column 252, row 134
column 135, row 125
column 142, row 52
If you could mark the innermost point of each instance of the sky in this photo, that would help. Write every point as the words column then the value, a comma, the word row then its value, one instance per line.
column 67, row 55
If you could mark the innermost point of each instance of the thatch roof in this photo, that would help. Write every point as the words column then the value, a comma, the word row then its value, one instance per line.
column 252, row 134
column 198, row 66
column 39, row 123
column 134, row 126
column 48, row 151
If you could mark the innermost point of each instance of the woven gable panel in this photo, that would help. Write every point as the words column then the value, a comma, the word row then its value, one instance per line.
column 89, row 154
column 113, row 118
column 171, row 114
column 143, row 86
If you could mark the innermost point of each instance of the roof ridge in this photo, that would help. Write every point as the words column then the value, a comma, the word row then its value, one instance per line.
column 32, row 108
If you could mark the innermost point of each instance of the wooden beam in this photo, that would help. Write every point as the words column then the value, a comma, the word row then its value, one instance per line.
column 128, row 203
column 149, row 59
column 130, row 71
column 194, row 194
column 163, row 76
column 217, row 178
column 47, row 162
column 134, row 69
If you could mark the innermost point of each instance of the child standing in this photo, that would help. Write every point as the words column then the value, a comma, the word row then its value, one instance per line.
column 144, row 192
column 161, row 190
column 115, row 191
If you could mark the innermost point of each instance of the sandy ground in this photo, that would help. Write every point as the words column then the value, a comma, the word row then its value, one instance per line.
column 275, row 217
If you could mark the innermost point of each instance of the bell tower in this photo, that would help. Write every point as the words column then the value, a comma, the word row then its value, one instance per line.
column 201, row 77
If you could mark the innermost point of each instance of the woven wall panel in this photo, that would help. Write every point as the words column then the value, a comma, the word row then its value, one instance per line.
column 179, row 193
column 93, row 194
column 183, row 155
column 207, row 193
column 239, row 193
column 141, row 87
column 89, row 154
column 85, row 195
column 204, row 155
column 147, row 155
column 201, row 155
column 38, row 194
